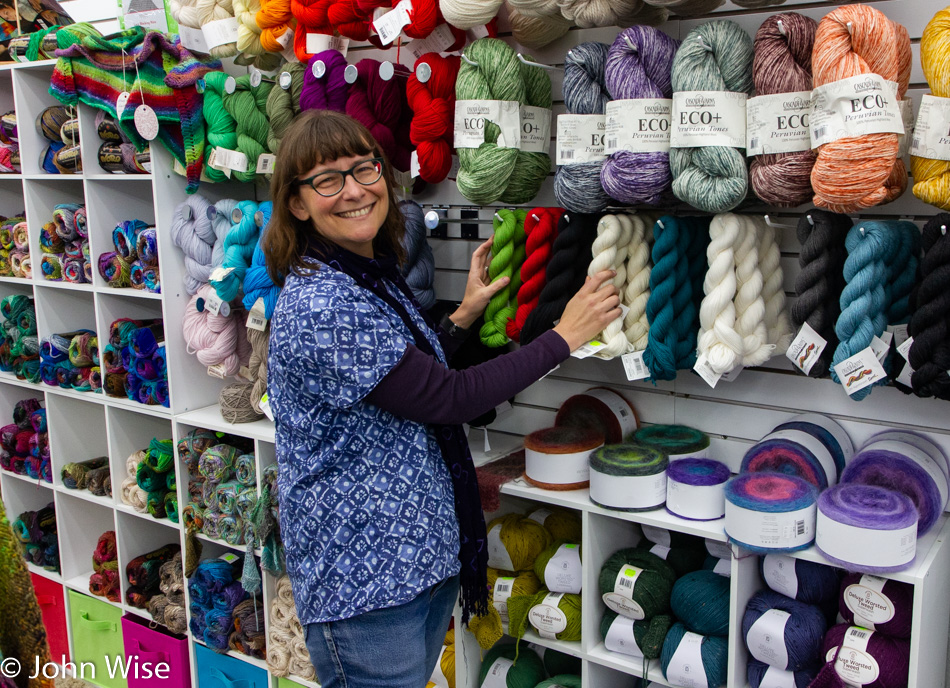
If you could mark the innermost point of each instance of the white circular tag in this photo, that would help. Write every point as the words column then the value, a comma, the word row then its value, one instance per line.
column 350, row 74
column 423, row 72
column 432, row 219
column 236, row 215
column 120, row 103
column 212, row 212
column 259, row 218
column 255, row 77
column 230, row 85
column 386, row 70
column 285, row 80
column 146, row 122
column 186, row 212
column 319, row 69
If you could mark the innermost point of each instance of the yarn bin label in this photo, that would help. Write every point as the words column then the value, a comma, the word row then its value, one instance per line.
column 766, row 638
column 779, row 573
column 708, row 118
column 500, row 594
column 220, row 32
column 472, row 115
column 640, row 126
column 931, row 138
column 686, row 665
column 621, row 599
column 777, row 678
column 547, row 617
column 498, row 557
column 865, row 546
column 778, row 123
column 563, row 571
column 860, row 371
column 868, row 602
column 806, row 348
column 855, row 664
column 620, row 638
column 856, row 106
column 497, row 676
column 771, row 529
column 580, row 138
column 535, row 129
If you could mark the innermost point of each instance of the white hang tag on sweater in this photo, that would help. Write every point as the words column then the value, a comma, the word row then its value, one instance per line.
column 860, row 371
column 472, row 115
column 806, row 348
column 146, row 122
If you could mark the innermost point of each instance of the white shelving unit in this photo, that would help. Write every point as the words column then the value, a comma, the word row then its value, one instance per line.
column 85, row 425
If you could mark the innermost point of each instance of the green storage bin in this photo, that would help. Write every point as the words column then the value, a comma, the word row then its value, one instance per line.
column 287, row 683
column 97, row 638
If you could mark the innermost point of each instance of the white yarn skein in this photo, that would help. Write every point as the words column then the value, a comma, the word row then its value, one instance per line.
column 185, row 13
column 467, row 14
column 610, row 253
column 773, row 292
column 215, row 10
column 249, row 33
column 637, row 291
column 686, row 8
column 718, row 339
column 589, row 14
column 536, row 8
column 750, row 307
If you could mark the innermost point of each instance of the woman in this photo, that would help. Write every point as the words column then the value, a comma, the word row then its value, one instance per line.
column 379, row 512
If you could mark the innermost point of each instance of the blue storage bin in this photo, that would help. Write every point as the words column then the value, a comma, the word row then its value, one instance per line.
column 222, row 671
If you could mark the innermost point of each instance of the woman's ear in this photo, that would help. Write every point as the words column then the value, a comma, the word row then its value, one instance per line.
column 298, row 209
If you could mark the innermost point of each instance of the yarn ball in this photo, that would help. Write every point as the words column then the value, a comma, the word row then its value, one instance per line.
column 527, row 671
column 769, row 493
column 561, row 681
column 757, row 672
column 648, row 634
column 683, row 559
column 553, row 457
column 827, row 431
column 686, row 479
column 805, row 581
column 519, row 614
column 551, row 579
column 488, row 629
column 875, row 510
column 701, row 601
column 790, row 453
column 601, row 409
column 877, row 603
column 628, row 461
column 676, row 441
column 556, row 662
column 915, row 439
column 562, row 524
column 804, row 629
column 714, row 652
column 521, row 539
column 651, row 589
column 931, row 176
column 890, row 655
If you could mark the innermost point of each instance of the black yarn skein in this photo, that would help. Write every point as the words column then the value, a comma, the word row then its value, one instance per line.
column 821, row 279
column 565, row 272
column 930, row 323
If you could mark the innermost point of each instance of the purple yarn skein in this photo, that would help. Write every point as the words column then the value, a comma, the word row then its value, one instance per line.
column 639, row 65
column 701, row 472
column 328, row 92
column 861, row 609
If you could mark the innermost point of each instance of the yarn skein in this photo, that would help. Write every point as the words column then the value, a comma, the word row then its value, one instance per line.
column 929, row 355
column 749, row 302
column 283, row 104
column 433, row 106
column 521, row 612
column 761, row 674
column 805, row 581
column 878, row 604
column 419, row 267
column 519, row 542
column 652, row 586
column 535, row 32
column 610, row 250
column 700, row 600
column 489, row 629
column 636, row 291
column 540, row 227
column 714, row 652
column 330, row 91
column 694, row 489
column 528, row 670
column 589, row 14
column 508, row 253
column 932, row 177
column 676, row 441
column 628, row 477
column 804, row 629
column 890, row 656
column 718, row 339
column 648, row 635
column 777, row 498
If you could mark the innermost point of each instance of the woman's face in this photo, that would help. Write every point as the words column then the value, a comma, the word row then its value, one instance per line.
column 350, row 218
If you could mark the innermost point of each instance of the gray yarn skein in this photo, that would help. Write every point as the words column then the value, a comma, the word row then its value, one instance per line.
column 716, row 56
column 577, row 187
column 688, row 8
column 419, row 268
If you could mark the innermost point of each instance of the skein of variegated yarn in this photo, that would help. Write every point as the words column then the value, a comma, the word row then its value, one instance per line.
column 932, row 177
column 896, row 183
column 851, row 173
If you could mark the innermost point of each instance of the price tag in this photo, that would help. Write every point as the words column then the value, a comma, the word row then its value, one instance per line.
column 904, row 347
column 859, row 371
column 588, row 349
column 217, row 370
column 120, row 103
column 265, row 407
column 806, row 348
column 146, row 122
column 265, row 163
column 391, row 24
column 220, row 32
column 213, row 304
column 477, row 32
column 634, row 366
column 255, row 317
column 706, row 372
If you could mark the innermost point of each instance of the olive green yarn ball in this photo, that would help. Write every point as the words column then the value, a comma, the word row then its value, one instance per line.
column 522, row 538
column 541, row 563
column 561, row 681
column 519, row 609
column 562, row 524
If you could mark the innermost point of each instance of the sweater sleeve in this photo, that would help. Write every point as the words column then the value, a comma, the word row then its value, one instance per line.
column 421, row 389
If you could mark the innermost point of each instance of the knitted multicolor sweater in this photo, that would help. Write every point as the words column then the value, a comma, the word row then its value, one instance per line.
column 149, row 66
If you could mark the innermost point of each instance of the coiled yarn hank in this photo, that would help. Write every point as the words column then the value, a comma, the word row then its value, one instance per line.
column 932, row 177
column 433, row 106
column 215, row 339
column 688, row 8
column 577, row 186
column 749, row 302
column 535, row 32
column 467, row 14
column 610, row 249
column 508, row 253
column 639, row 65
column 193, row 232
column 283, row 104
column 851, row 173
column 238, row 246
column 540, row 228
column 196, row 13
column 718, row 339
column 381, row 106
column 782, row 64
column 930, row 322
column 247, row 105
column 715, row 56
column 896, row 183
column 220, row 127
column 589, row 14
column 419, row 268
column 249, row 33
column 328, row 92
column 636, row 291
column 490, row 173
column 274, row 19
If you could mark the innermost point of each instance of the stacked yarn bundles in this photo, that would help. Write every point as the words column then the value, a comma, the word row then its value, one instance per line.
column 24, row 437
column 194, row 15
column 329, row 90
column 64, row 242
column 283, row 103
column 168, row 606
column 215, row 592
column 144, row 574
column 216, row 495
column 135, row 361
column 134, row 262
column 216, row 339
column 92, row 474
column 433, row 106
column 19, row 345
column 71, row 361
column 784, row 634
column 878, row 604
column 198, row 229
column 238, row 247
column 381, row 106
column 700, row 600
column 131, row 493
column 249, row 43
column 15, row 247
column 9, row 144
column 57, row 124
column 286, row 646
column 928, row 325
column 104, row 580
column 155, row 475
column 883, row 662
column 117, row 155
column 36, row 532
column 715, row 56
column 490, row 173
column 247, row 105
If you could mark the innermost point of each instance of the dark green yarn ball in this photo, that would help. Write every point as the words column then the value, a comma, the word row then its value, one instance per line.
column 653, row 586
column 648, row 634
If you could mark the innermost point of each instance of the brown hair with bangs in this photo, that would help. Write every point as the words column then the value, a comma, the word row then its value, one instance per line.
column 316, row 137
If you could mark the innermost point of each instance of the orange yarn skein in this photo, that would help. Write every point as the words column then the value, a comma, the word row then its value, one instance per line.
column 896, row 183
column 853, row 172
column 275, row 19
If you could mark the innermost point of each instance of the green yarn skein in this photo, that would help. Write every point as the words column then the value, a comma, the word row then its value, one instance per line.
column 652, row 587
column 648, row 634
column 508, row 253
column 683, row 559
column 283, row 105
column 490, row 173
column 561, row 681
column 248, row 106
column 522, row 538
column 519, row 609
column 526, row 673
column 220, row 127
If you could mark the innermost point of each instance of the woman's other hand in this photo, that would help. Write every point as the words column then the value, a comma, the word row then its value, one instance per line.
column 590, row 310
column 478, row 288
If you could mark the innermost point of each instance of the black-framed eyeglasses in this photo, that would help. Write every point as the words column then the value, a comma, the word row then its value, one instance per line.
column 331, row 182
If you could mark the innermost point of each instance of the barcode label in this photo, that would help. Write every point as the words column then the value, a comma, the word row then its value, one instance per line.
column 634, row 366
column 800, row 527
column 502, row 588
column 612, row 143
column 754, row 143
column 626, row 583
column 916, row 142
column 568, row 154
column 820, row 132
column 859, row 635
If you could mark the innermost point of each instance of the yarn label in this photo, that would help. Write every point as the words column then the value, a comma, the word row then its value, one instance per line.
column 621, row 599
column 705, row 370
column 436, row 42
column 497, row 676
column 256, row 317
column 868, row 603
column 634, row 367
column 558, row 469
column 766, row 638
column 318, row 42
column 266, row 163
column 700, row 502
column 639, row 125
column 547, row 617
column 656, row 535
column 777, row 678
column 907, row 118
column 860, row 371
column 391, row 23
column 865, row 546
column 779, row 573
column 193, row 39
column 265, row 407
column 220, row 31
column 226, row 160
column 855, row 665
column 770, row 529
column 709, row 118
column 856, row 106
column 218, row 370
column 904, row 347
column 539, row 516
column 213, row 304
column 500, row 594
column 472, row 115
column 661, row 551
column 723, row 567
column 580, row 138
column 618, row 406
column 498, row 557
column 900, row 335
column 620, row 637
column 686, row 665
column 563, row 571
column 932, row 132
column 535, row 129
column 881, row 347
column 806, row 348
column 778, row 123
column 628, row 491
column 720, row 550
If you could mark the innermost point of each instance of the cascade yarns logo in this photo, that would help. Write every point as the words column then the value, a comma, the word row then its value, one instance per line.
column 801, row 361
column 868, row 84
column 699, row 100
column 796, row 104
column 854, row 378
column 658, row 109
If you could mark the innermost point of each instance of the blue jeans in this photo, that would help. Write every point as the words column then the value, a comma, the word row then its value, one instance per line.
column 396, row 647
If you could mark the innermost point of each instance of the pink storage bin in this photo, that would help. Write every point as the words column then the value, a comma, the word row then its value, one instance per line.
column 152, row 646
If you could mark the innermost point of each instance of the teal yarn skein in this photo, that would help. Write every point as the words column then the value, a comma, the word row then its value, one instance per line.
column 715, row 56
column 701, row 601
column 903, row 272
column 238, row 249
column 870, row 246
column 527, row 672
column 714, row 651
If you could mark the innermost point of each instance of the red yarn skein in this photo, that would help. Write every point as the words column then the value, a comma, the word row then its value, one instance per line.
column 381, row 106
column 540, row 226
column 345, row 16
column 311, row 16
column 425, row 17
column 433, row 105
